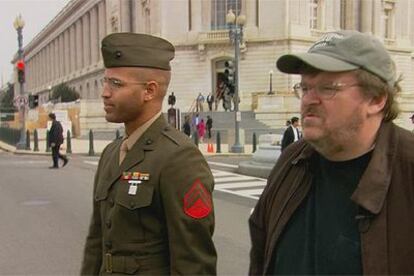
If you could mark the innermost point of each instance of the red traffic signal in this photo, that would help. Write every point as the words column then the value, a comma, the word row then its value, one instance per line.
column 20, row 65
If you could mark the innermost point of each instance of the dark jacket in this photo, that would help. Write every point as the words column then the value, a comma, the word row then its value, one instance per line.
column 56, row 133
column 151, row 232
column 386, row 191
column 288, row 137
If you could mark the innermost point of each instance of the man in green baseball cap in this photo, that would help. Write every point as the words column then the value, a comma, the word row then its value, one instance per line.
column 340, row 200
column 152, row 205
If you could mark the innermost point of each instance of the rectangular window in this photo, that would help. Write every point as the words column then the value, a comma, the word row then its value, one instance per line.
column 314, row 13
column 219, row 10
column 389, row 19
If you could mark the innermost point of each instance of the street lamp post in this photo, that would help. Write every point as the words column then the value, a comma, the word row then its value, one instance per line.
column 236, row 36
column 18, row 25
column 270, row 83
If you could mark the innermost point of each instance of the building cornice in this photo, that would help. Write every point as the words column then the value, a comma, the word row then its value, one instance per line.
column 65, row 18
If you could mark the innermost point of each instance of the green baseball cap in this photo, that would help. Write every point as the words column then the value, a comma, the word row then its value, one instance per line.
column 136, row 50
column 343, row 51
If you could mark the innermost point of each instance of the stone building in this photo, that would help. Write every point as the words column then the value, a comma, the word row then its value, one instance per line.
column 67, row 49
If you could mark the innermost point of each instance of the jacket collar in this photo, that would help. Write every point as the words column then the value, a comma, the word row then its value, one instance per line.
column 373, row 187
column 147, row 142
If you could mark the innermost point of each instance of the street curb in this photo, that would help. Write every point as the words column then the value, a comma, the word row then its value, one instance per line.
column 9, row 148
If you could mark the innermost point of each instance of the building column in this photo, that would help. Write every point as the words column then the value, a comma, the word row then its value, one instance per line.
column 72, row 48
column 125, row 17
column 66, row 52
column 61, row 57
column 94, row 36
column 86, row 40
column 79, row 44
column 101, row 25
column 365, row 16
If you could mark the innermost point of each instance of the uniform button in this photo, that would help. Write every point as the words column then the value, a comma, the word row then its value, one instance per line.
column 108, row 244
column 108, row 223
column 148, row 142
column 111, row 202
column 132, row 204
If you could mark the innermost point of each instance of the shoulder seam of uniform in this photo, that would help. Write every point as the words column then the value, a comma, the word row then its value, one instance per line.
column 165, row 133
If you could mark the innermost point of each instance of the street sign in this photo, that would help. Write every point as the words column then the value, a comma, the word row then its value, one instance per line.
column 20, row 101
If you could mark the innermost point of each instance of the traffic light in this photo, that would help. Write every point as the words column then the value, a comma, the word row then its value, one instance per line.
column 20, row 70
column 33, row 101
column 229, row 72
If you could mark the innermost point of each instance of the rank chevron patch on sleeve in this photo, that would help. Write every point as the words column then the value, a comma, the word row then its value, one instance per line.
column 197, row 201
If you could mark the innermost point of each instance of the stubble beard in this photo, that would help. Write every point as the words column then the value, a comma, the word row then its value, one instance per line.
column 336, row 139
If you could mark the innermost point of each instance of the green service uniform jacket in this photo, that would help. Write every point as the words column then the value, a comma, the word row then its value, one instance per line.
column 163, row 225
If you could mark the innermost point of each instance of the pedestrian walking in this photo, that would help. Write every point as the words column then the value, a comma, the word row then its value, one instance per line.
column 171, row 99
column 210, row 101
column 291, row 134
column 341, row 200
column 55, row 141
column 152, row 208
column 200, row 101
column 187, row 126
column 209, row 125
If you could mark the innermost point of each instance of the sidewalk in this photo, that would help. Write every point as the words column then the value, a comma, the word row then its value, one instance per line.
column 81, row 147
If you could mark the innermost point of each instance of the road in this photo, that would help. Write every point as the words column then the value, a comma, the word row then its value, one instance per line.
column 45, row 214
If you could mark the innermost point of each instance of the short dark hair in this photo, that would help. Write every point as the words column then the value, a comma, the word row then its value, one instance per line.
column 52, row 116
column 294, row 120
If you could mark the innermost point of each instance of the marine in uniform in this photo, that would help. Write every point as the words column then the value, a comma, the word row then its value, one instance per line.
column 152, row 206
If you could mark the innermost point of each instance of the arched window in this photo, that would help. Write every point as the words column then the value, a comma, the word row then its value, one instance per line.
column 219, row 9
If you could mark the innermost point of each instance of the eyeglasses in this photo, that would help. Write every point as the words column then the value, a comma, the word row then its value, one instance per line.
column 324, row 91
column 116, row 84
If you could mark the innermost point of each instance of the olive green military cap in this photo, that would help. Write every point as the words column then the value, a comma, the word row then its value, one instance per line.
column 343, row 51
column 136, row 50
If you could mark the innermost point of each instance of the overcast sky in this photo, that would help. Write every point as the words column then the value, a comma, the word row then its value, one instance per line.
column 35, row 13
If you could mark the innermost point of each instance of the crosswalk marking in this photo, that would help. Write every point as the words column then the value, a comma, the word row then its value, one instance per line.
column 237, row 184
column 230, row 178
column 252, row 192
column 232, row 183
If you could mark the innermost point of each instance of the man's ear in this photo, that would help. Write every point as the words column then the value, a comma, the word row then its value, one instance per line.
column 377, row 104
column 151, row 90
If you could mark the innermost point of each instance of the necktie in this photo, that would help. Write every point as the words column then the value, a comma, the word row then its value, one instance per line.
column 123, row 151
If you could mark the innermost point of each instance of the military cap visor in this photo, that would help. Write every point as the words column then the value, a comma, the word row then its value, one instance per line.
column 136, row 50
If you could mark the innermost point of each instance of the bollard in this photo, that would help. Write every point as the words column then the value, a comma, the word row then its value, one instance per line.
column 117, row 134
column 254, row 142
column 35, row 141
column 47, row 142
column 28, row 140
column 195, row 136
column 68, row 143
column 91, row 150
column 218, row 141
